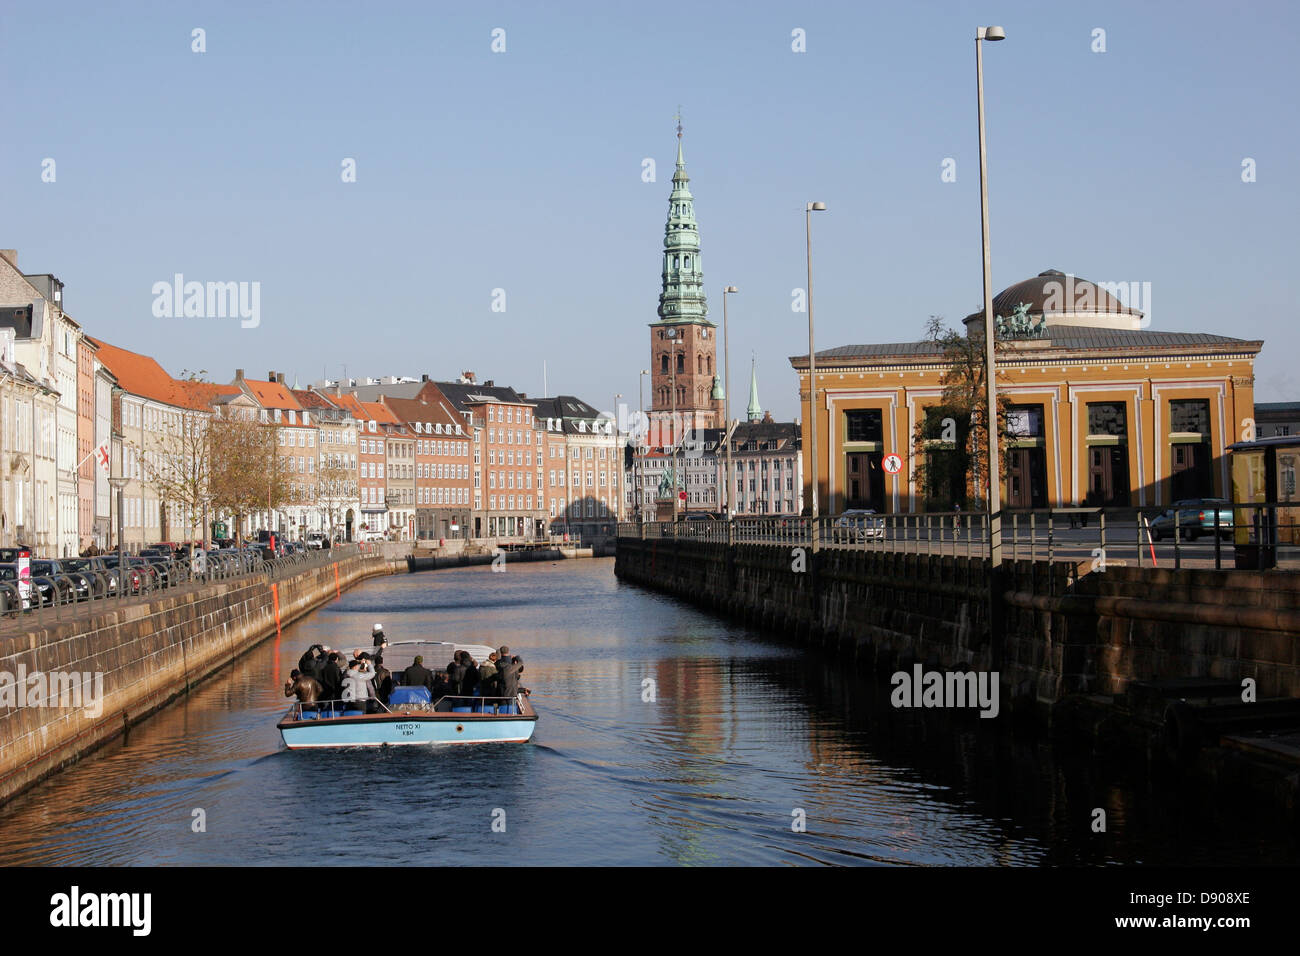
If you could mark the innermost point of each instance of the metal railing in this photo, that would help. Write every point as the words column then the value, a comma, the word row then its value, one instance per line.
column 78, row 593
column 1242, row 535
column 455, row 704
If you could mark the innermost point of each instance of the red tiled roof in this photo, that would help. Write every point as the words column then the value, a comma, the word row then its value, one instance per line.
column 350, row 404
column 142, row 375
column 309, row 398
column 271, row 394
column 379, row 412
column 413, row 410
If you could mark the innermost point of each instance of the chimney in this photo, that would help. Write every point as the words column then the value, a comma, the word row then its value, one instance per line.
column 10, row 256
column 239, row 375
column 523, row 394
column 338, row 388
column 279, row 377
column 270, row 376
column 489, row 383
column 424, row 377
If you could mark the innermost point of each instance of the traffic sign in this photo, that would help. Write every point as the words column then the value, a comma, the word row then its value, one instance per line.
column 892, row 464
column 682, row 495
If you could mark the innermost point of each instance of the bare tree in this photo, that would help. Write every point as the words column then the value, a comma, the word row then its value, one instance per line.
column 950, row 442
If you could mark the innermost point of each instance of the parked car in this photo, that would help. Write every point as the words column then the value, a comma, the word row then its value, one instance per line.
column 89, row 570
column 860, row 524
column 9, row 576
column 163, row 560
column 68, row 587
column 9, row 555
column 1195, row 517
column 317, row 540
column 135, row 580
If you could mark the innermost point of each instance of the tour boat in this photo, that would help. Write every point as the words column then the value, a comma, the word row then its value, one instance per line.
column 411, row 716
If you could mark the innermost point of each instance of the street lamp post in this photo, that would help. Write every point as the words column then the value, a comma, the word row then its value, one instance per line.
column 990, row 371
column 618, row 495
column 672, row 367
column 812, row 369
column 726, row 402
column 636, row 460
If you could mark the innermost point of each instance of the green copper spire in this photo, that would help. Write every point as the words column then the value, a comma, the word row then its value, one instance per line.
column 682, row 298
column 755, row 411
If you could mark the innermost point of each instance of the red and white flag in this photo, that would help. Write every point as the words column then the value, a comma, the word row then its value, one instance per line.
column 101, row 456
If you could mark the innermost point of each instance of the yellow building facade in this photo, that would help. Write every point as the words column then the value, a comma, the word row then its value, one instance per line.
column 1101, row 409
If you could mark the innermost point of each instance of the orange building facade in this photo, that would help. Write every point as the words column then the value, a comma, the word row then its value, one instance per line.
column 1102, row 410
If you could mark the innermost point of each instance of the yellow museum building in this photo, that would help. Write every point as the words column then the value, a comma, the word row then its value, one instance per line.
column 1101, row 409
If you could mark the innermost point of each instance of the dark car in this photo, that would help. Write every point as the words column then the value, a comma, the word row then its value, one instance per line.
column 137, row 578
column 1195, row 517
column 102, row 577
column 163, row 561
column 10, row 555
column 89, row 577
column 69, row 588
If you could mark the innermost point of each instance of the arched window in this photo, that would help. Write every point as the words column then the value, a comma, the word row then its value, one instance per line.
column 681, row 362
column 663, row 363
column 709, row 361
column 699, row 364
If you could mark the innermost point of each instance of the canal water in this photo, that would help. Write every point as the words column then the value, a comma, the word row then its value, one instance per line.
column 750, row 752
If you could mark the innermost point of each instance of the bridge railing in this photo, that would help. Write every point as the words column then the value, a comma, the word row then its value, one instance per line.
column 1254, row 535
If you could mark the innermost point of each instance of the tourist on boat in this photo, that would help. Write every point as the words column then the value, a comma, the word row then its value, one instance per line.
column 307, row 689
column 383, row 682
column 356, row 682
column 331, row 676
column 313, row 660
column 466, row 674
column 377, row 635
column 417, row 675
column 440, row 686
column 508, row 677
column 487, row 676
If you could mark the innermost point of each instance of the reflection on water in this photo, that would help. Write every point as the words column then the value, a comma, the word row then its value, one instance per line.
column 743, row 737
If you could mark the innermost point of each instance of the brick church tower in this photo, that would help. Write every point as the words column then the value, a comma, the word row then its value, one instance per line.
column 683, row 343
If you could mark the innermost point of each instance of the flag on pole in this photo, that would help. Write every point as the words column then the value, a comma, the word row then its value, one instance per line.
column 101, row 456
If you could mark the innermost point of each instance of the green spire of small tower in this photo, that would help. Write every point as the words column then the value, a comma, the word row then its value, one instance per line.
column 755, row 411
column 682, row 298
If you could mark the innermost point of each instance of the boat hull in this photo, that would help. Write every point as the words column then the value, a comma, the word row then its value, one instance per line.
column 406, row 730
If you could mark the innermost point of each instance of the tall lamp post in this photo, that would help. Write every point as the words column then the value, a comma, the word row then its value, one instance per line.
column 812, row 368
column 990, row 376
column 618, row 495
column 118, row 484
column 672, row 366
column 636, row 460
column 726, row 401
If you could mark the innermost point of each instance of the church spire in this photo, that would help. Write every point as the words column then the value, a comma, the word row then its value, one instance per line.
column 682, row 298
column 755, row 411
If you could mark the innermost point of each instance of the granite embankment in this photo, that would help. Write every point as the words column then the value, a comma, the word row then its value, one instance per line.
column 67, row 687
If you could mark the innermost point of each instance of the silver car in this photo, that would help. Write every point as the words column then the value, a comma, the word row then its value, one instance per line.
column 859, row 524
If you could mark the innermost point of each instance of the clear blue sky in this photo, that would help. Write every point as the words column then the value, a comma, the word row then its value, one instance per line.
column 522, row 171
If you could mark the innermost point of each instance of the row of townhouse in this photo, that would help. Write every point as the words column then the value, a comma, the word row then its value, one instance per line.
column 54, row 411
column 471, row 459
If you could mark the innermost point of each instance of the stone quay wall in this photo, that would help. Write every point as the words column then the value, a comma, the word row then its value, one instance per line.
column 147, row 653
column 1062, row 629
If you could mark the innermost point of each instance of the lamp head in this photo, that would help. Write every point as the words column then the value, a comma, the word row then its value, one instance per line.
column 991, row 33
column 816, row 207
column 731, row 288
